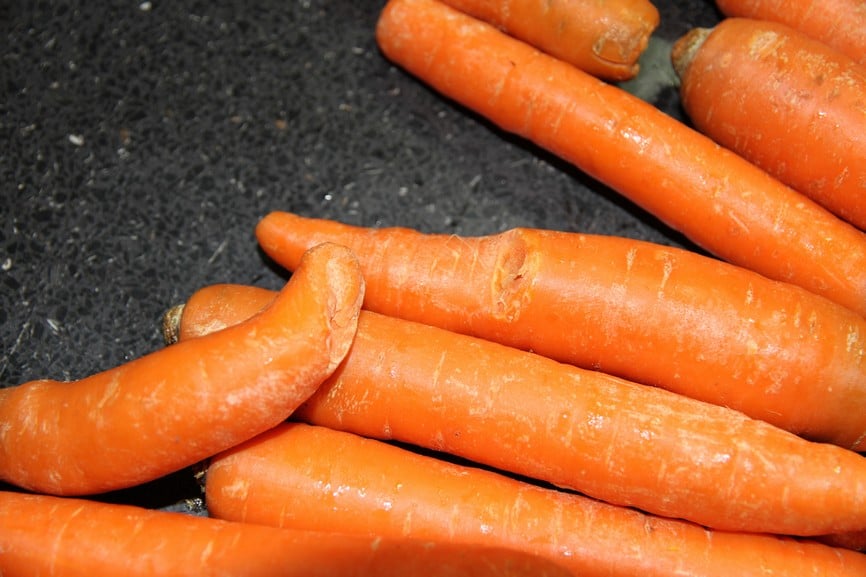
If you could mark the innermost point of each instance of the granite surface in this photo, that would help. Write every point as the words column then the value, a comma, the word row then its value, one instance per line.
column 142, row 141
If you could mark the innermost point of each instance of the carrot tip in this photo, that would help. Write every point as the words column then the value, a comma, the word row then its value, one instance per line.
column 684, row 49
column 171, row 324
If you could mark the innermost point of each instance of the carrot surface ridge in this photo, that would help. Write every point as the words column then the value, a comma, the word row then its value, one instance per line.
column 838, row 23
column 69, row 537
column 719, row 200
column 604, row 38
column 301, row 476
column 176, row 406
column 611, row 439
column 649, row 313
column 789, row 103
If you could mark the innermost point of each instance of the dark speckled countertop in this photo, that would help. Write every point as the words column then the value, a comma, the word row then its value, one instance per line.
column 142, row 142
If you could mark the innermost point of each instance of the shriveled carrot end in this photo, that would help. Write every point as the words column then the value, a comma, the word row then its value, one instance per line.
column 684, row 49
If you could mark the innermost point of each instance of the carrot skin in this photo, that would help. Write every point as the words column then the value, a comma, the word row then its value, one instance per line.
column 301, row 476
column 174, row 407
column 840, row 24
column 601, row 37
column 67, row 537
column 790, row 104
column 644, row 312
column 720, row 201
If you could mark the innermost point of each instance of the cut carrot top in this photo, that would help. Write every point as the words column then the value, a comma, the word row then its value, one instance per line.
column 603, row 38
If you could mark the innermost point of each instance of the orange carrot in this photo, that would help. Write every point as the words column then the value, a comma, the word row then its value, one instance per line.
column 315, row 478
column 648, row 313
column 838, row 23
column 177, row 406
column 611, row 439
column 602, row 37
column 66, row 537
column 722, row 202
column 788, row 103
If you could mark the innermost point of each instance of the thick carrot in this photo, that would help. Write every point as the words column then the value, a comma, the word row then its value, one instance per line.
column 177, row 406
column 602, row 37
column 838, row 23
column 722, row 202
column 611, row 439
column 65, row 537
column 788, row 103
column 649, row 313
column 315, row 478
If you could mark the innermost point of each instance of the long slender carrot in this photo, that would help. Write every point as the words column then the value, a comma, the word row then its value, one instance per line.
column 604, row 38
column 177, row 406
column 838, row 23
column 652, row 314
column 315, row 478
column 610, row 439
column 788, row 103
column 722, row 202
column 66, row 537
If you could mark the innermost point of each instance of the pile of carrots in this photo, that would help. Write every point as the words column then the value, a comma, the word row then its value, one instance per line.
column 532, row 402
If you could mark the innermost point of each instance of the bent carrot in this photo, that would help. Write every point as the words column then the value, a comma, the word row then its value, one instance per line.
column 315, row 478
column 649, row 313
column 66, row 537
column 838, row 23
column 175, row 407
column 602, row 37
column 716, row 198
column 610, row 439
column 788, row 103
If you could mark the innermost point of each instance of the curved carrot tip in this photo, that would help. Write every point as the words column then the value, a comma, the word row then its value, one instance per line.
column 180, row 405
column 684, row 49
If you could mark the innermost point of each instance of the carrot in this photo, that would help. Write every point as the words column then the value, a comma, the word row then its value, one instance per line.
column 788, row 103
column 610, row 439
column 838, row 23
column 604, row 38
column 66, row 537
column 315, row 478
column 648, row 313
column 174, row 407
column 719, row 200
